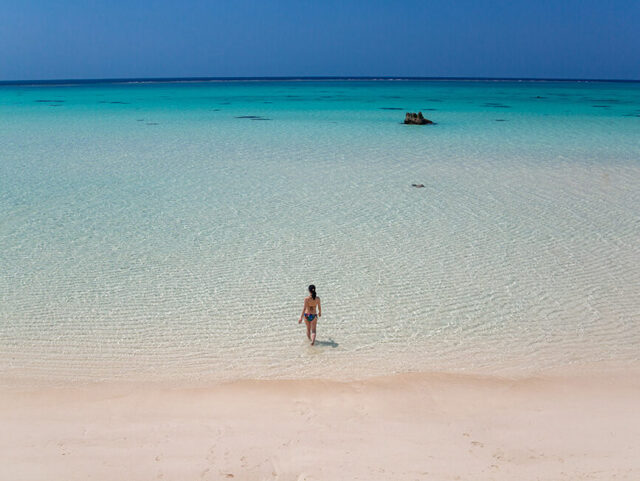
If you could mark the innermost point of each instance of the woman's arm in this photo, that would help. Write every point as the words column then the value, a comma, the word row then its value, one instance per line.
column 319, row 308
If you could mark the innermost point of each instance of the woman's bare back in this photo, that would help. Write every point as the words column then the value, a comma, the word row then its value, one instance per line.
column 311, row 304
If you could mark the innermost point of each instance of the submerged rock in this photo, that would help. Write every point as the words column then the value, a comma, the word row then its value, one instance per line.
column 419, row 186
column 416, row 119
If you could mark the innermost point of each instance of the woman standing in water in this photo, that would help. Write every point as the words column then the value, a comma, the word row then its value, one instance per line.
column 311, row 302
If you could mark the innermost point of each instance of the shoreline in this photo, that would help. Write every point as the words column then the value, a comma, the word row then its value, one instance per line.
column 402, row 427
column 26, row 381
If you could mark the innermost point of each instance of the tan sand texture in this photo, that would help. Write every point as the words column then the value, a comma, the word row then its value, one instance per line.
column 405, row 427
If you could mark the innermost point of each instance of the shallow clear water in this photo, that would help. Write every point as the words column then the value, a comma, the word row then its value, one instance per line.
column 147, row 231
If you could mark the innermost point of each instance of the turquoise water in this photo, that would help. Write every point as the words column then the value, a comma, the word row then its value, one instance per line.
column 148, row 232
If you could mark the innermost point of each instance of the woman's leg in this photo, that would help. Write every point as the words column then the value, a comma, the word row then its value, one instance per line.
column 308, row 329
column 313, row 330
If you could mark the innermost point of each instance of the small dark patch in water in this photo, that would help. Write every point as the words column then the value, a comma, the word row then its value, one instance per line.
column 260, row 118
column 55, row 105
column 539, row 97
column 391, row 108
column 48, row 101
column 215, row 110
column 430, row 110
column 118, row 102
column 224, row 103
column 267, row 102
column 139, row 120
column 152, row 123
column 501, row 120
column 434, row 100
column 248, row 117
column 602, row 106
column 497, row 106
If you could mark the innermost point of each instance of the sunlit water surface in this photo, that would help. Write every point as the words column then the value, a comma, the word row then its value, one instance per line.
column 148, row 232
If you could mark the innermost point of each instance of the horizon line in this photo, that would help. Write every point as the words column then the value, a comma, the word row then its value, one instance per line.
column 124, row 80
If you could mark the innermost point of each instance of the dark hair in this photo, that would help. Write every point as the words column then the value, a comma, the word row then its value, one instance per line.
column 312, row 290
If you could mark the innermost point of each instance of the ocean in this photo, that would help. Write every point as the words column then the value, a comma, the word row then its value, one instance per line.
column 168, row 230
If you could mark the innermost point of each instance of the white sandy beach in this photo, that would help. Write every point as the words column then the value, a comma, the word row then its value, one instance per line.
column 405, row 427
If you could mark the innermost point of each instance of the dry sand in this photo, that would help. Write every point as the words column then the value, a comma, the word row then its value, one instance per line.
column 409, row 427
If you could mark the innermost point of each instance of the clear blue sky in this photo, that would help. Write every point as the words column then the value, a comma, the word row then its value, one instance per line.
column 49, row 39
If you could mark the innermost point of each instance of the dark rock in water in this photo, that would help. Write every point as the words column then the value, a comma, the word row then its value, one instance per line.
column 419, row 186
column 416, row 119
column 248, row 117
column 500, row 120
column 391, row 108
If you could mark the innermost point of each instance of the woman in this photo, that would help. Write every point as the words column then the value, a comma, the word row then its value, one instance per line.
column 311, row 302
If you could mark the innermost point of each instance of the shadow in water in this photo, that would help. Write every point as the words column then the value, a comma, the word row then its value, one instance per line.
column 328, row 343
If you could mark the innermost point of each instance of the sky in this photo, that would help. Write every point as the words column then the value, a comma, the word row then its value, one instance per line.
column 86, row 39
